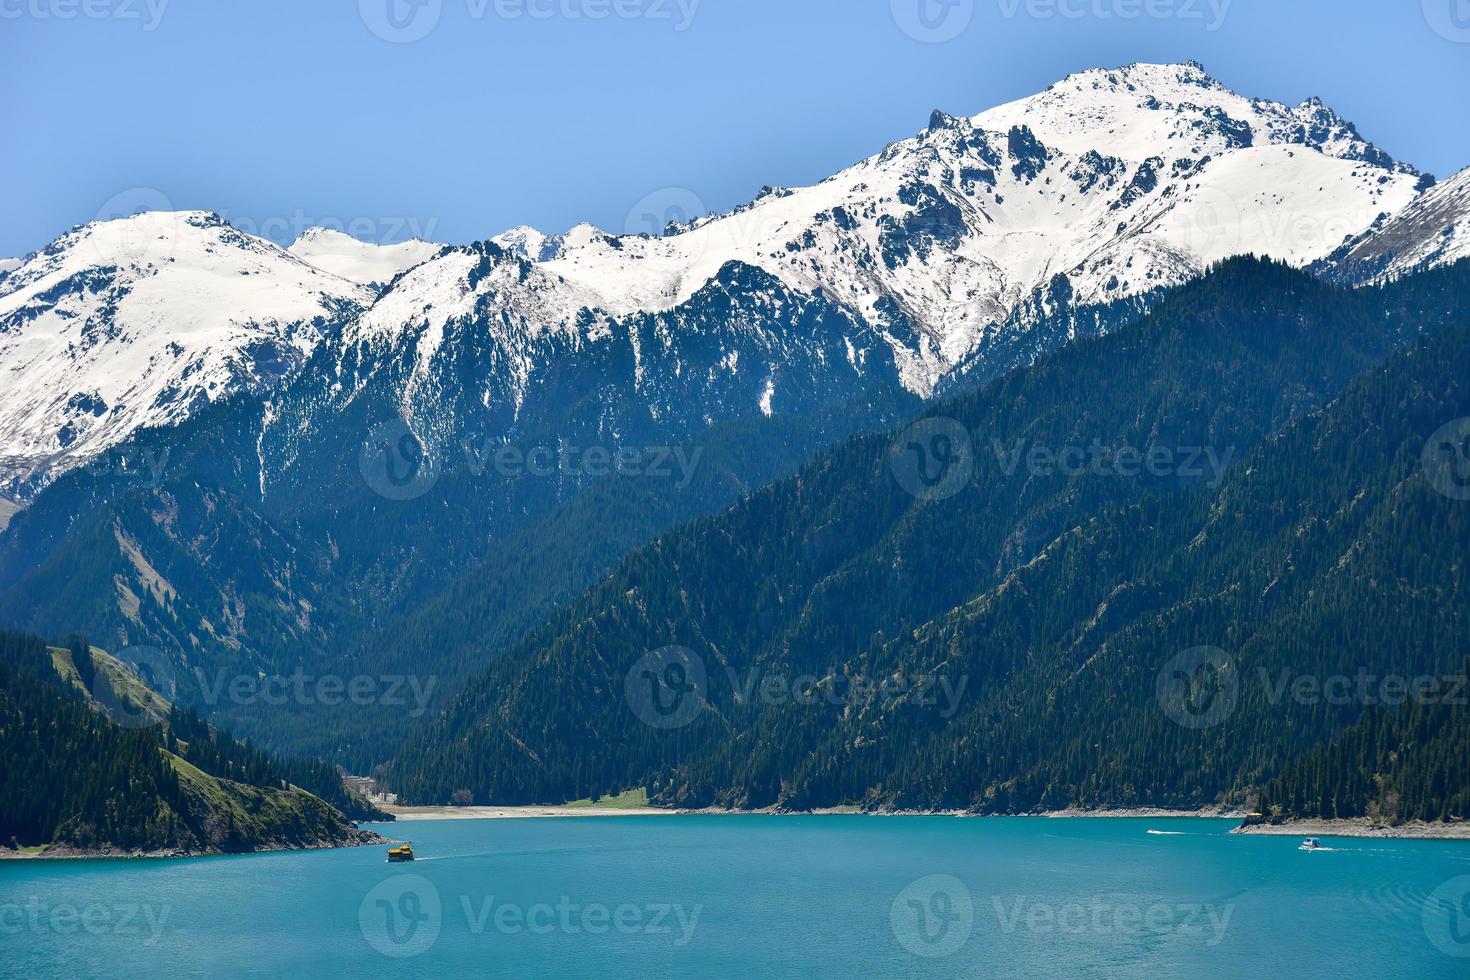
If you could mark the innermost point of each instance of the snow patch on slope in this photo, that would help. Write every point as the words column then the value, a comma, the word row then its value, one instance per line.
column 1434, row 230
column 366, row 263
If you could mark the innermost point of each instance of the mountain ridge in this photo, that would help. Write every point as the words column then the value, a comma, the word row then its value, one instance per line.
column 1105, row 187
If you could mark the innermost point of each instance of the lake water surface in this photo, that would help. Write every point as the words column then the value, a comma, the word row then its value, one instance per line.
column 756, row 896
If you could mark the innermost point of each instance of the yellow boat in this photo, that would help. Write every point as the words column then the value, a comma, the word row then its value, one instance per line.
column 404, row 853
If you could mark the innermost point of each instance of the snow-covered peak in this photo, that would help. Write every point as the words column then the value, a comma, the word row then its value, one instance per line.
column 138, row 321
column 1108, row 184
column 366, row 263
column 1144, row 110
column 7, row 265
column 529, row 243
column 481, row 280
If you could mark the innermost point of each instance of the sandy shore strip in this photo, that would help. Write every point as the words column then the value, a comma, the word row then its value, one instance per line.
column 515, row 812
column 529, row 812
column 1134, row 813
column 1359, row 828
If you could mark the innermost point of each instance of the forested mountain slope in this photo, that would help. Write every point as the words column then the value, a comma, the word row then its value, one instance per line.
column 833, row 573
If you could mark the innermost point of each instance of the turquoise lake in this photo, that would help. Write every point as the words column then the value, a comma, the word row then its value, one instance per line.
column 756, row 896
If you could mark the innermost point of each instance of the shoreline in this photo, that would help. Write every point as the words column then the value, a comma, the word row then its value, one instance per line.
column 1359, row 828
column 412, row 813
column 1298, row 828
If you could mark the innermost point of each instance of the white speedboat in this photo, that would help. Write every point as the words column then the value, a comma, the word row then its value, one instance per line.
column 1311, row 844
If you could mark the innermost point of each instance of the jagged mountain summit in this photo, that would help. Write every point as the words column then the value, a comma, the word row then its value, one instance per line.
column 1109, row 184
column 139, row 321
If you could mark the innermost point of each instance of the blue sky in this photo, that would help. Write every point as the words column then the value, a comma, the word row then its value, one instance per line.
column 285, row 113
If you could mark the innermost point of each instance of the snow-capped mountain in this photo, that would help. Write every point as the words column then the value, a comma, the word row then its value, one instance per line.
column 138, row 321
column 365, row 263
column 1105, row 187
column 1119, row 181
column 8, row 265
column 1433, row 230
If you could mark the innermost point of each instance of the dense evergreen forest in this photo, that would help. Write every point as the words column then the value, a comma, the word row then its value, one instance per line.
column 1050, row 601
column 72, row 777
column 1397, row 764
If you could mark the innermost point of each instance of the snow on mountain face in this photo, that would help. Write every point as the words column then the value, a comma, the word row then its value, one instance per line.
column 1106, row 186
column 1120, row 181
column 365, row 263
column 1144, row 110
column 8, row 265
column 1433, row 230
column 138, row 321
column 515, row 300
column 529, row 243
